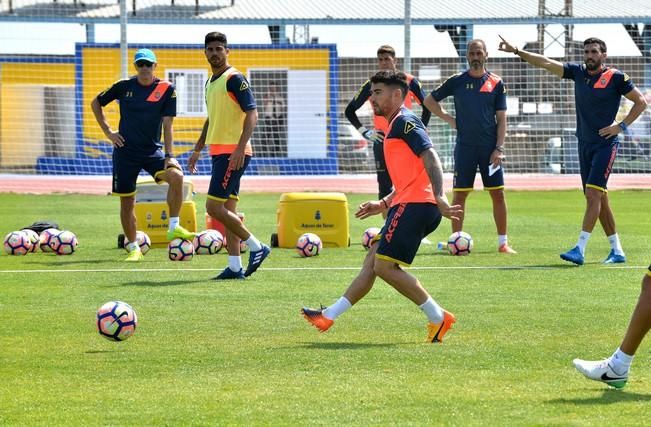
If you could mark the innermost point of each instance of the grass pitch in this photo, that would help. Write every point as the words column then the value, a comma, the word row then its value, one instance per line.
column 238, row 352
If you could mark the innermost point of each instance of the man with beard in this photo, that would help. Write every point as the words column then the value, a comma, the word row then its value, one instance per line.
column 232, row 116
column 415, row 207
column 598, row 90
column 386, row 60
column 480, row 105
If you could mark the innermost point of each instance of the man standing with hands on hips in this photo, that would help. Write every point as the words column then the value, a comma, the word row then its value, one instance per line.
column 480, row 104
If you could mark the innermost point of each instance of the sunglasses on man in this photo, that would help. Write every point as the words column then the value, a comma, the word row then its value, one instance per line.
column 141, row 64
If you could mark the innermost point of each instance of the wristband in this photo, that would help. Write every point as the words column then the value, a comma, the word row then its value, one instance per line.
column 623, row 126
column 168, row 155
column 386, row 205
column 499, row 148
column 516, row 51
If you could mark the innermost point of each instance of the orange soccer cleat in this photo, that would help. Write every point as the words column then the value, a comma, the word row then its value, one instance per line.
column 436, row 331
column 317, row 319
column 506, row 249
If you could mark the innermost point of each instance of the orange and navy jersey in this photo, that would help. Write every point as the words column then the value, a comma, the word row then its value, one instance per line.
column 476, row 101
column 142, row 109
column 597, row 99
column 415, row 94
column 404, row 143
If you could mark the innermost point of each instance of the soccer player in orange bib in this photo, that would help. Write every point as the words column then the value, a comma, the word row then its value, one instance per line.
column 415, row 207
column 386, row 59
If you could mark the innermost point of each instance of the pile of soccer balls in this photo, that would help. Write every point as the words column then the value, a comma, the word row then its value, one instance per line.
column 60, row 242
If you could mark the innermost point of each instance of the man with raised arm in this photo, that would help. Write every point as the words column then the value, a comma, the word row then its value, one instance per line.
column 598, row 90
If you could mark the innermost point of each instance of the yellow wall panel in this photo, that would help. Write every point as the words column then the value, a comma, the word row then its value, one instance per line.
column 101, row 68
column 37, row 73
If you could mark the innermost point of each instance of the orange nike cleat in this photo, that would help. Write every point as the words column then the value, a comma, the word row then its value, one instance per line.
column 317, row 319
column 436, row 331
column 506, row 249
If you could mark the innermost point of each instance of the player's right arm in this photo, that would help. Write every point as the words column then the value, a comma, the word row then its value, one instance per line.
column 362, row 95
column 101, row 100
column 440, row 93
column 551, row 65
column 196, row 153
column 434, row 170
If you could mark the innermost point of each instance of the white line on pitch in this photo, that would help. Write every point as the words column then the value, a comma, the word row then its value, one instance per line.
column 136, row 270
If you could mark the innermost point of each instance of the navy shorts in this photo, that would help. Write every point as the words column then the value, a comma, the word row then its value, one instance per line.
column 225, row 182
column 127, row 166
column 385, row 186
column 405, row 227
column 466, row 161
column 596, row 162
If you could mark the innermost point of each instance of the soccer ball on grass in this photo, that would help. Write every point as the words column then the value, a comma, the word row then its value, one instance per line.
column 460, row 243
column 116, row 320
column 308, row 245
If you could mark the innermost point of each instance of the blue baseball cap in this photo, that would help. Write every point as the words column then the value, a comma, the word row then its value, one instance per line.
column 144, row 55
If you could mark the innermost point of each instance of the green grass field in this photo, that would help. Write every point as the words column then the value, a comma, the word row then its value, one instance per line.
column 238, row 352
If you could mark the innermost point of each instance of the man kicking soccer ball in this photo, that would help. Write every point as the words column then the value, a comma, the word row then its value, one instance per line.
column 614, row 370
column 415, row 208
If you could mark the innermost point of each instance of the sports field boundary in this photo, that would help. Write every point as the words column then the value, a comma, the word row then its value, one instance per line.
column 294, row 268
column 48, row 184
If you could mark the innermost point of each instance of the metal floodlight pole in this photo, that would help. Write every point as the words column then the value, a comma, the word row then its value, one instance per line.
column 124, row 48
column 407, row 62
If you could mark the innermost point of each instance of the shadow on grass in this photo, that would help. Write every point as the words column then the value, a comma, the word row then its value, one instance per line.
column 346, row 345
column 101, row 351
column 608, row 396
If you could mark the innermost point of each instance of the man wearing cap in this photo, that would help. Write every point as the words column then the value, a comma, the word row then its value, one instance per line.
column 147, row 105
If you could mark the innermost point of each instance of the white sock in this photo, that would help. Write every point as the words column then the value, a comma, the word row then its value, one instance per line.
column 133, row 246
column 615, row 244
column 621, row 362
column 174, row 221
column 432, row 310
column 235, row 263
column 584, row 236
column 502, row 239
column 337, row 309
column 253, row 243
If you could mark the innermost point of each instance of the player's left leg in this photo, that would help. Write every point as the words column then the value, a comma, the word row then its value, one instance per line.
column 592, row 194
column 494, row 183
column 224, row 188
column 614, row 370
column 602, row 164
column 408, row 224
